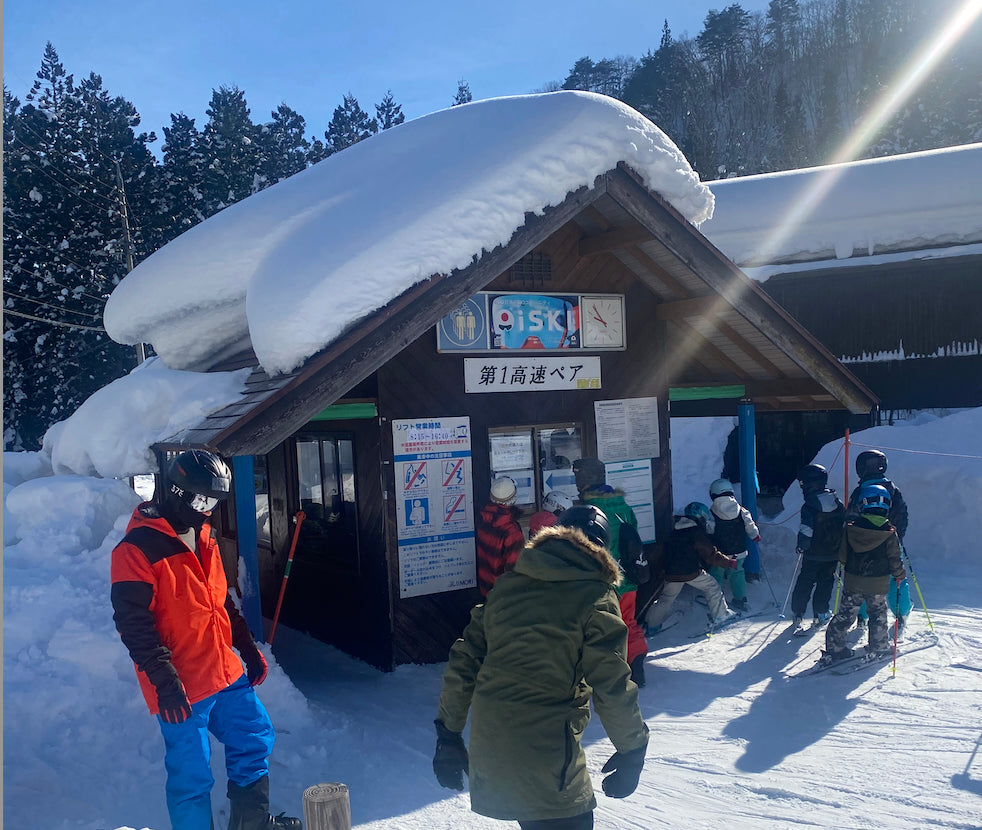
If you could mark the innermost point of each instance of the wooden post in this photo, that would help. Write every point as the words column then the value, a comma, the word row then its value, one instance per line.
column 326, row 807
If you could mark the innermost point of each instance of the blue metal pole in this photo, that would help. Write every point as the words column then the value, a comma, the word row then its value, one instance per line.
column 245, row 523
column 747, row 440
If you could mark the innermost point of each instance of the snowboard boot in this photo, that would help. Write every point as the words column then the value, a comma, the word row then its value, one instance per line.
column 738, row 604
column 250, row 809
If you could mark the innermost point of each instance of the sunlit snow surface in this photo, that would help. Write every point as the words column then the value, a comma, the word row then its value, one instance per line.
column 733, row 743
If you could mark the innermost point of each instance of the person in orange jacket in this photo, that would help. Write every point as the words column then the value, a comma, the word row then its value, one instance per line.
column 175, row 617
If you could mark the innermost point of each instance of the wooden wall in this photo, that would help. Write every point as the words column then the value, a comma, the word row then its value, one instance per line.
column 923, row 306
column 420, row 383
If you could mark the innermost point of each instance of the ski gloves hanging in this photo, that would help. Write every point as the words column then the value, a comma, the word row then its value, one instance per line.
column 450, row 758
column 625, row 771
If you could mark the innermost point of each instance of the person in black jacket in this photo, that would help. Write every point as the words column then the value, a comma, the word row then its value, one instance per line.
column 871, row 467
column 688, row 554
column 819, row 536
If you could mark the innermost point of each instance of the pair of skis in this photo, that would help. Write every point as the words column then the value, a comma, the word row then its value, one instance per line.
column 860, row 660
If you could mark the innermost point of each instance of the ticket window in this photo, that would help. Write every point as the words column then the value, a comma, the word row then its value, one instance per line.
column 538, row 457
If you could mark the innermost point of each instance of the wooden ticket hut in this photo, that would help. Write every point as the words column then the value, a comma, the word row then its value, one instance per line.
column 658, row 314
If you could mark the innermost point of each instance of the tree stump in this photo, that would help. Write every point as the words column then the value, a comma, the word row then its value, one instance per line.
column 326, row 807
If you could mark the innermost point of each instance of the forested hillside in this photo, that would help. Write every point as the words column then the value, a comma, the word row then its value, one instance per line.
column 86, row 196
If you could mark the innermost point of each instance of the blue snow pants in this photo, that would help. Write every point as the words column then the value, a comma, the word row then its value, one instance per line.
column 237, row 718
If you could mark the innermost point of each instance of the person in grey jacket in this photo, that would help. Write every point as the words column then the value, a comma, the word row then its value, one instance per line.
column 548, row 640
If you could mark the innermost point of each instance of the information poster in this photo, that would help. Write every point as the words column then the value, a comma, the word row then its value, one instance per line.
column 627, row 429
column 434, row 505
column 634, row 478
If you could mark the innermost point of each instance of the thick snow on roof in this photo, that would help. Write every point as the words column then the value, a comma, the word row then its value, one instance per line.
column 863, row 208
column 291, row 267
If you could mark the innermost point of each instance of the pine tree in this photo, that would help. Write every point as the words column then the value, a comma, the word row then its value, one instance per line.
column 463, row 95
column 282, row 146
column 181, row 201
column 229, row 150
column 349, row 125
column 388, row 113
column 70, row 154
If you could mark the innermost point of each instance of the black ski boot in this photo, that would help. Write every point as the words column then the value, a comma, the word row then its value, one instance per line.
column 250, row 809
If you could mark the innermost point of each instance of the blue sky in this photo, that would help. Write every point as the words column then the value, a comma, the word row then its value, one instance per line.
column 168, row 56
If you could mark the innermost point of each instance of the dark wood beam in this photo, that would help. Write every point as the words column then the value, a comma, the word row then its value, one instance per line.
column 603, row 243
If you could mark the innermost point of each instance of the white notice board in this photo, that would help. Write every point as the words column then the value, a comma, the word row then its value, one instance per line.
column 434, row 505
column 627, row 429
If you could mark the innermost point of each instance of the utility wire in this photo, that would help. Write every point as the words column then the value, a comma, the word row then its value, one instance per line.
column 53, row 322
column 48, row 305
column 48, row 248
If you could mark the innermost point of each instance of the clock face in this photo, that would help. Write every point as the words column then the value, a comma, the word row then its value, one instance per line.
column 602, row 321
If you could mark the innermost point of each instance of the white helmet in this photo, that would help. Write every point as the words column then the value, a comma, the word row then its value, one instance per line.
column 504, row 490
column 721, row 487
column 556, row 502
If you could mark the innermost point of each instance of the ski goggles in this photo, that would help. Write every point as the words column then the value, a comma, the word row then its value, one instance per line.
column 202, row 504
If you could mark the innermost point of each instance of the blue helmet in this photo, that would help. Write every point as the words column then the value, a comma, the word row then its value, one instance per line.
column 874, row 499
column 698, row 512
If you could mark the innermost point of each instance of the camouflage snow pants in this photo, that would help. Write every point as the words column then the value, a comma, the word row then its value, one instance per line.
column 876, row 604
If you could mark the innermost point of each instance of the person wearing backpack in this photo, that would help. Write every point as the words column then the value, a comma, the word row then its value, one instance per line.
column 871, row 467
column 731, row 526
column 591, row 483
column 819, row 537
column 688, row 554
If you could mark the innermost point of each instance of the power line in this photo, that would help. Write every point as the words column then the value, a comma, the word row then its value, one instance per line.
column 48, row 248
column 53, row 322
column 7, row 293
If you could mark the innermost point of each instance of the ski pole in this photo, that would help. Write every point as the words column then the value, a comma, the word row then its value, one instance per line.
column 838, row 589
column 790, row 586
column 286, row 574
column 896, row 631
column 913, row 579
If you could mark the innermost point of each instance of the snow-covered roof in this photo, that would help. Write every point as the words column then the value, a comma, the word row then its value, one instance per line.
column 904, row 203
column 288, row 269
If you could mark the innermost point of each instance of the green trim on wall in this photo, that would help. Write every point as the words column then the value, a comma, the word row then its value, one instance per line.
column 346, row 412
column 705, row 393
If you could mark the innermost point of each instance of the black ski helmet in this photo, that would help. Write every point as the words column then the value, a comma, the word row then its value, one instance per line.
column 198, row 473
column 870, row 464
column 813, row 477
column 591, row 520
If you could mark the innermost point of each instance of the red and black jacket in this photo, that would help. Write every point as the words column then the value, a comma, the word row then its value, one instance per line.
column 499, row 542
column 169, row 605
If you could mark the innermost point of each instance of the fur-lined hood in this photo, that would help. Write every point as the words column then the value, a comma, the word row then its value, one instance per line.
column 559, row 553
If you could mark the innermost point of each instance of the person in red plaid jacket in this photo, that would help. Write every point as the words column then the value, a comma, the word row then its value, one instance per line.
column 499, row 535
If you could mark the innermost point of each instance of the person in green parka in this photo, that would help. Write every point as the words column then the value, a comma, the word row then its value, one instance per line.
column 591, row 483
column 549, row 637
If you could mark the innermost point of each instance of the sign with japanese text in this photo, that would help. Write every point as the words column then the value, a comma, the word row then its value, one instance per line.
column 531, row 374
column 627, row 428
column 510, row 321
column 434, row 505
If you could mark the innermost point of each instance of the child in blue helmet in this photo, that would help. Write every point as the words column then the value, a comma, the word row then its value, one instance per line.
column 689, row 553
column 870, row 554
column 871, row 467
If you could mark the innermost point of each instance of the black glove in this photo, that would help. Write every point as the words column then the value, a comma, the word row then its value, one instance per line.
column 450, row 758
column 171, row 697
column 626, row 766
column 256, row 666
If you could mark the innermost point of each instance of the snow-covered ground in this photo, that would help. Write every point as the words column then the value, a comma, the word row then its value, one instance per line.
column 734, row 743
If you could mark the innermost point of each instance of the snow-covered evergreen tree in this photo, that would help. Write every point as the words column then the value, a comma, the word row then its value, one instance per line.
column 230, row 151
column 349, row 125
